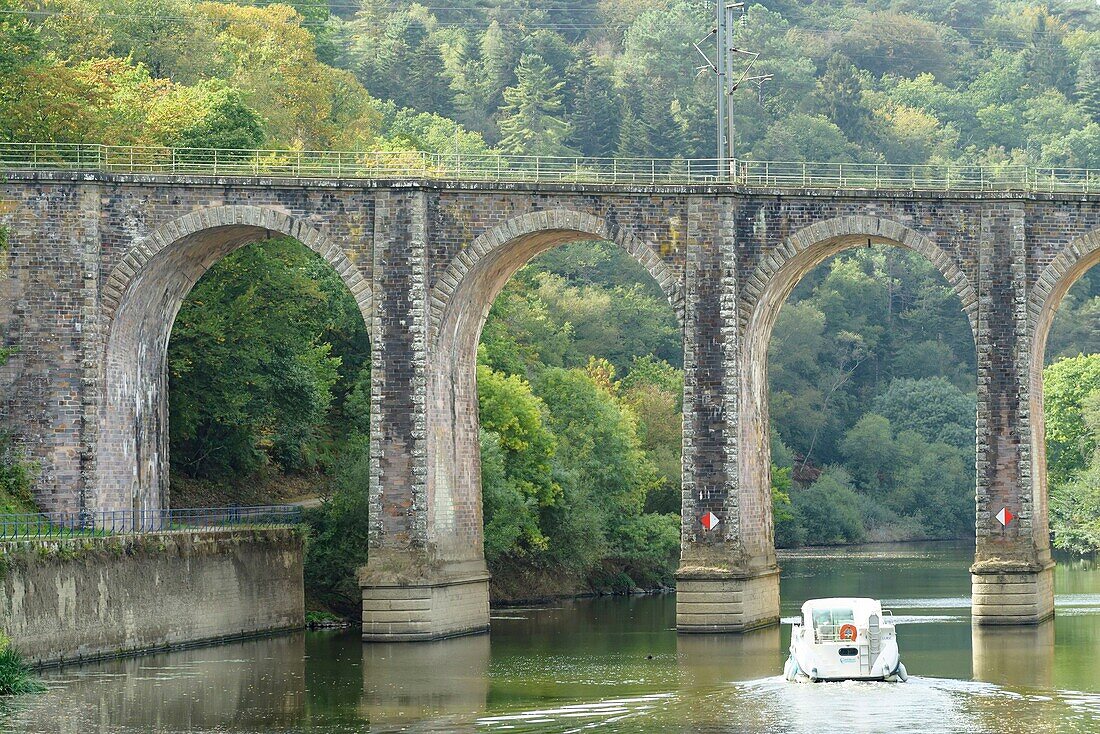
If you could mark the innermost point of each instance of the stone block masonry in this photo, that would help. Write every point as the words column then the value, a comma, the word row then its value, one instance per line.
column 98, row 264
column 86, row 598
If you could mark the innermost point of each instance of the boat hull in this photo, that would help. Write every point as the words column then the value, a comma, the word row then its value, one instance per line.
column 822, row 663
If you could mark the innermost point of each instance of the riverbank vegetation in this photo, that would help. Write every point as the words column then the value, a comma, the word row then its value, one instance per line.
column 1072, row 404
column 871, row 364
column 16, row 676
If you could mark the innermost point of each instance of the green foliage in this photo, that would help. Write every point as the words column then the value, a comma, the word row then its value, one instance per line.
column 1075, row 512
column 829, row 510
column 933, row 407
column 337, row 543
column 19, row 42
column 15, row 674
column 897, row 81
column 1076, row 328
column 1073, row 451
column 531, row 119
column 566, row 477
column 16, row 479
column 517, row 472
column 789, row 533
column 251, row 370
column 1070, row 443
column 228, row 123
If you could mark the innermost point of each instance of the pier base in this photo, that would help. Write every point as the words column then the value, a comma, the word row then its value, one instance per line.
column 1009, row 592
column 723, row 601
column 406, row 602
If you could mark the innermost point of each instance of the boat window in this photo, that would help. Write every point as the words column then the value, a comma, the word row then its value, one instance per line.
column 834, row 616
column 848, row 652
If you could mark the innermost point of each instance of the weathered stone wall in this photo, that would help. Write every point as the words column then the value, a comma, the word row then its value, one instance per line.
column 99, row 597
column 97, row 266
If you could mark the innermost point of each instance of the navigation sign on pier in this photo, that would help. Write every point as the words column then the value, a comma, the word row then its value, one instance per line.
column 1005, row 516
column 710, row 521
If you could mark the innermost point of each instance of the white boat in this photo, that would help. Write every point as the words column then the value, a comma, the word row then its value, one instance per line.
column 844, row 639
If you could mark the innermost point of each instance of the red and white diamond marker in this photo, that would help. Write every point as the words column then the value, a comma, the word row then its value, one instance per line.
column 710, row 521
column 1005, row 516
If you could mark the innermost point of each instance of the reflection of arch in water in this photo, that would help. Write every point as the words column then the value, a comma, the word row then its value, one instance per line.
column 404, row 683
column 460, row 303
column 142, row 296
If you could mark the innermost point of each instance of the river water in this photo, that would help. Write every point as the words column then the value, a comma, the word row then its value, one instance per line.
column 617, row 665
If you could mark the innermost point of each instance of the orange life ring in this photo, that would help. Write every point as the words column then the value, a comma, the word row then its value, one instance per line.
column 848, row 632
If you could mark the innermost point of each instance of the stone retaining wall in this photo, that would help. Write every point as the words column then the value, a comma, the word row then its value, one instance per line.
column 86, row 598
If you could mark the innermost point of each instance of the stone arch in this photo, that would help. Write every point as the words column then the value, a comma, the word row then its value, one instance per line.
column 810, row 246
column 1043, row 301
column 764, row 294
column 239, row 216
column 558, row 226
column 459, row 304
column 140, row 300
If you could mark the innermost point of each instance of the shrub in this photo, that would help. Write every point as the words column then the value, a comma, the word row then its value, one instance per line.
column 15, row 674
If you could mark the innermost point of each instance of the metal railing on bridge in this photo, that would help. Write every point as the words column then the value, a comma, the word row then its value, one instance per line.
column 411, row 165
column 58, row 525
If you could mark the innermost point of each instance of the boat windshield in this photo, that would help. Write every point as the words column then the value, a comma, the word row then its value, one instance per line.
column 827, row 622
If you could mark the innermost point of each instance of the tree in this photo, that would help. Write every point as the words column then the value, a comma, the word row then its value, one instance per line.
column 802, row 137
column 654, row 50
column 498, row 64
column 226, row 122
column 653, row 390
column 508, row 408
column 169, row 37
column 599, row 454
column 19, row 43
column 251, row 382
column 829, row 510
column 1088, row 84
column 592, row 107
column 268, row 55
column 1076, row 328
column 870, row 453
column 888, row 42
column 1070, row 445
column 840, row 90
column 933, row 407
column 1075, row 512
column 531, row 121
column 1045, row 53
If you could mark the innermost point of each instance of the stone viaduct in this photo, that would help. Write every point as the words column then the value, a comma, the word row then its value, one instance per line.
column 96, row 265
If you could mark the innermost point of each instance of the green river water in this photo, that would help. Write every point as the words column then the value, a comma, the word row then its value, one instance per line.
column 617, row 665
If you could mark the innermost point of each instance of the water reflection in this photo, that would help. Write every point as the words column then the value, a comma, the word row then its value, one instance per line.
column 404, row 683
column 618, row 665
column 256, row 684
column 711, row 660
column 1015, row 656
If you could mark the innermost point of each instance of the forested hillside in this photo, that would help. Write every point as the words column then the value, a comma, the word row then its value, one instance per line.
column 871, row 365
column 895, row 80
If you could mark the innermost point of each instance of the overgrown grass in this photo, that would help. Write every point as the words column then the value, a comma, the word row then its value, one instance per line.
column 15, row 674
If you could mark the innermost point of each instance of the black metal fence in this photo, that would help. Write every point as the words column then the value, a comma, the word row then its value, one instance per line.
column 132, row 522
